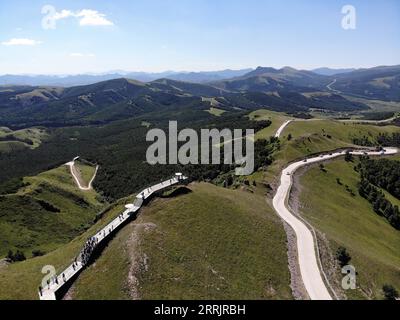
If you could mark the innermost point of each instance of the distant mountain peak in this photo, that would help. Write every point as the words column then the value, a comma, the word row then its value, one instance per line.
column 330, row 72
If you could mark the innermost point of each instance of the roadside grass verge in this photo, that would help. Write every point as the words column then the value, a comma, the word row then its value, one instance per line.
column 316, row 136
column 349, row 221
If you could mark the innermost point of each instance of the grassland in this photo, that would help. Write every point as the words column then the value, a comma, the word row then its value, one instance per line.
column 377, row 105
column 216, row 112
column 47, row 212
column 276, row 118
column 11, row 146
column 20, row 139
column 85, row 172
column 350, row 221
column 212, row 243
column 308, row 137
column 20, row 280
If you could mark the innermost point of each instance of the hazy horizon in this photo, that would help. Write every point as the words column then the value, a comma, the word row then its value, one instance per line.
column 127, row 72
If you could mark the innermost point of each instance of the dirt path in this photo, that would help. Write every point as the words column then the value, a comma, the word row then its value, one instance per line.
column 78, row 178
column 138, row 260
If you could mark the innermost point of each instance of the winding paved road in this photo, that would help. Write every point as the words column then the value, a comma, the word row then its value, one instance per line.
column 282, row 127
column 329, row 86
column 307, row 256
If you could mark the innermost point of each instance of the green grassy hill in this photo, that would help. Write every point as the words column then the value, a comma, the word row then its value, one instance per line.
column 46, row 212
column 276, row 118
column 25, row 138
column 312, row 136
column 212, row 243
column 20, row 281
column 85, row 171
column 350, row 221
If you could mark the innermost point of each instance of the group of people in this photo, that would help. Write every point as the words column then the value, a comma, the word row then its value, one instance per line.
column 88, row 248
column 52, row 280
column 90, row 245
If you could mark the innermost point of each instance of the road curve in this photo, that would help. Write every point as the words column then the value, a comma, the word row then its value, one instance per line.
column 307, row 255
column 72, row 169
column 281, row 128
column 329, row 86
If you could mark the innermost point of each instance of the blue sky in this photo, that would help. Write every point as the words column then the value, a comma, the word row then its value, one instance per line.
column 159, row 35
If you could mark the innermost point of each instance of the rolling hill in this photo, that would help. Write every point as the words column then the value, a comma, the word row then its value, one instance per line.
column 331, row 72
column 186, row 247
column 284, row 90
column 349, row 221
column 380, row 83
column 45, row 211
column 86, row 79
column 21, row 139
column 313, row 136
column 270, row 79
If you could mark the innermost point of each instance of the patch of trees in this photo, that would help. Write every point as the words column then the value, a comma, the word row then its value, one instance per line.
column 383, row 173
column 380, row 204
column 383, row 140
column 38, row 253
column 11, row 137
column 343, row 256
column 15, row 257
column 12, row 186
column 48, row 206
column 263, row 150
column 390, row 292
column 348, row 157
column 389, row 140
column 379, row 115
column 376, row 174
column 364, row 141
column 302, row 115
column 120, row 150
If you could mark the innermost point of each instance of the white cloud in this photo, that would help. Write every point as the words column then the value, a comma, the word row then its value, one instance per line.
column 93, row 18
column 86, row 17
column 21, row 42
column 63, row 14
column 81, row 55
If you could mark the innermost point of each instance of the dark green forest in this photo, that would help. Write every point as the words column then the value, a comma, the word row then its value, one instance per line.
column 120, row 150
column 384, row 174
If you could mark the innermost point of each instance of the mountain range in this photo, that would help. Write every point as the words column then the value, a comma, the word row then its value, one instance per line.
column 285, row 89
column 84, row 79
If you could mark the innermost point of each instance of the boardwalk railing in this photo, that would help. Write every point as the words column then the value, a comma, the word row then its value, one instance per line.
column 48, row 291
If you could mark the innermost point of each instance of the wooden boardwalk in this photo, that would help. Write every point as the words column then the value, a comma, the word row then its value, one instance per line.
column 48, row 292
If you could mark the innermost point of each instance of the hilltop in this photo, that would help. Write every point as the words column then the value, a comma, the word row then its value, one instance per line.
column 42, row 212
column 186, row 247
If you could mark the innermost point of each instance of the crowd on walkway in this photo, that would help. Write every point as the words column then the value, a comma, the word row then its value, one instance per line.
column 92, row 242
column 88, row 248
